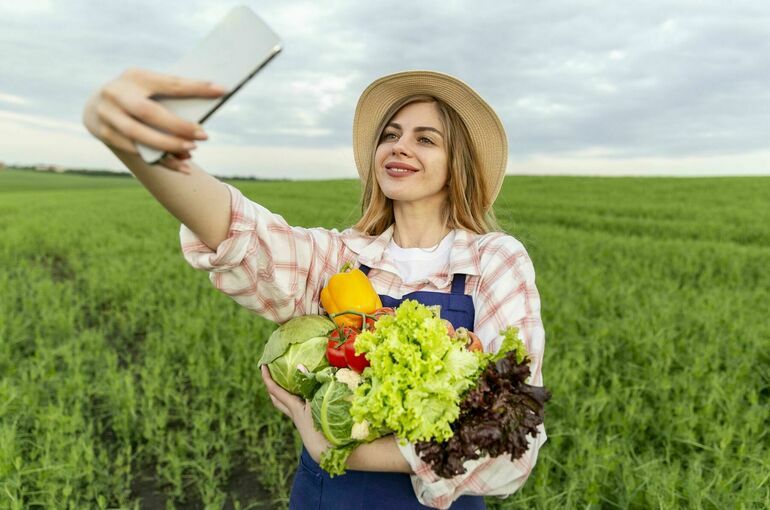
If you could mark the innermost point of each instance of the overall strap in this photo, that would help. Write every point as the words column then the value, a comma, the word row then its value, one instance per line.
column 458, row 299
column 365, row 269
column 458, row 284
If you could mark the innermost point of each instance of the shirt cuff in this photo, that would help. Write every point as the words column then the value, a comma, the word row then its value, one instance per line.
column 486, row 476
column 230, row 252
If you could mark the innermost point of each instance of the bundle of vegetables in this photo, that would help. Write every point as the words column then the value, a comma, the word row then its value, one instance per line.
column 379, row 371
column 420, row 369
column 495, row 418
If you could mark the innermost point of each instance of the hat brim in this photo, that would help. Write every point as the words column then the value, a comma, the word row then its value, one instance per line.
column 486, row 131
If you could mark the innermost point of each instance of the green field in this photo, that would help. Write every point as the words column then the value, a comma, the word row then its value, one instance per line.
column 128, row 381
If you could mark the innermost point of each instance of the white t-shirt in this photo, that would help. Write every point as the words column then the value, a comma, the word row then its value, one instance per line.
column 415, row 264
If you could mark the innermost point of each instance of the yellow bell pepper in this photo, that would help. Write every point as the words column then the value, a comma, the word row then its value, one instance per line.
column 349, row 290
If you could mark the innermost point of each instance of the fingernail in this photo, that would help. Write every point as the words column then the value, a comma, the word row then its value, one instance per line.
column 185, row 168
column 188, row 146
column 200, row 134
column 217, row 88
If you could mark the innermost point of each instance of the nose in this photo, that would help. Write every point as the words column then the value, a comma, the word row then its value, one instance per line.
column 401, row 147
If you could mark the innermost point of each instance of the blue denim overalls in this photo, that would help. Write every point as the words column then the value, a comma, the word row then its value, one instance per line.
column 314, row 489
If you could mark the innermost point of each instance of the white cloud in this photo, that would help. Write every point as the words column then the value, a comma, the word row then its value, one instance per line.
column 11, row 99
column 27, row 8
column 39, row 121
column 645, row 83
column 327, row 90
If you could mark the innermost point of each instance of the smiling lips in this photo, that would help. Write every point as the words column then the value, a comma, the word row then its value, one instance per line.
column 395, row 169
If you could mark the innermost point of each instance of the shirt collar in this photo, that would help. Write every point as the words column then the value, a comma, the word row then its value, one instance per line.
column 463, row 259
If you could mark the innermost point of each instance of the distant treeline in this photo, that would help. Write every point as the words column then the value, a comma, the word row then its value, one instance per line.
column 109, row 173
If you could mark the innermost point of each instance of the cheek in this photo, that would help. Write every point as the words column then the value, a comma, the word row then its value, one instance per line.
column 442, row 168
column 380, row 153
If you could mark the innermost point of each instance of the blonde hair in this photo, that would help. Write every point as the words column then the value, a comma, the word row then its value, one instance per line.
column 464, row 208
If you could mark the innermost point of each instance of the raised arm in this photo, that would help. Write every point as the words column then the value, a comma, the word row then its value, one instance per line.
column 120, row 113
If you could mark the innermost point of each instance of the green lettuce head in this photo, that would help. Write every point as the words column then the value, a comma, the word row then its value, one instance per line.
column 300, row 341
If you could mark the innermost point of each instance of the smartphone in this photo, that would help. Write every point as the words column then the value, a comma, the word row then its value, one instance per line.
column 230, row 55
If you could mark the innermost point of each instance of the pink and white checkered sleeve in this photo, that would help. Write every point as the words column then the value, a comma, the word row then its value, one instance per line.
column 507, row 296
column 266, row 265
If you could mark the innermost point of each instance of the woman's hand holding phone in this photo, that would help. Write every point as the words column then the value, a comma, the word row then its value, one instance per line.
column 122, row 112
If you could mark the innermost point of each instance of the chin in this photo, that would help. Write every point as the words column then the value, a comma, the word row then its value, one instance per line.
column 396, row 197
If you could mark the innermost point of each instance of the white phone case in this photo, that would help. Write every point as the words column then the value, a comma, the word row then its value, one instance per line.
column 233, row 52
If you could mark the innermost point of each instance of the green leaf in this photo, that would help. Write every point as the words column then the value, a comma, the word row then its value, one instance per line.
column 334, row 460
column 312, row 355
column 297, row 330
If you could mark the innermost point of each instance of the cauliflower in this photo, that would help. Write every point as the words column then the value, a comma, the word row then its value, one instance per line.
column 360, row 431
column 349, row 377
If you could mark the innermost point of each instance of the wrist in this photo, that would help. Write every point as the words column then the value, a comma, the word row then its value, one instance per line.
column 381, row 454
column 315, row 442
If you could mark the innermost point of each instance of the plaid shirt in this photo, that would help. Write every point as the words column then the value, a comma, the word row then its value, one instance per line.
column 278, row 271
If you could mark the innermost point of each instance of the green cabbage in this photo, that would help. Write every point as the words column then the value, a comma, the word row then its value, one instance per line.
column 331, row 409
column 300, row 341
column 331, row 416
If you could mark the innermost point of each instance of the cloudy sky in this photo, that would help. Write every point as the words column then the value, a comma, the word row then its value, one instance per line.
column 582, row 87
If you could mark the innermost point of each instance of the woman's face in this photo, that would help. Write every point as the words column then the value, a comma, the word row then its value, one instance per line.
column 410, row 160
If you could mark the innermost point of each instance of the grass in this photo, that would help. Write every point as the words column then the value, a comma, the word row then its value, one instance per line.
column 127, row 381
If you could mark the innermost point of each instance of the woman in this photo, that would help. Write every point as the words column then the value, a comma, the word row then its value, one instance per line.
column 431, row 154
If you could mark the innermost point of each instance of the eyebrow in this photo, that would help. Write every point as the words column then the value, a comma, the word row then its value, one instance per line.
column 418, row 128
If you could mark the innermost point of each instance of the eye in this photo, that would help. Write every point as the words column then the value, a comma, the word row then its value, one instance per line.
column 388, row 136
column 425, row 139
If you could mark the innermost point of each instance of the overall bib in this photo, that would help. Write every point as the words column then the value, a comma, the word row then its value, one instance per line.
column 314, row 489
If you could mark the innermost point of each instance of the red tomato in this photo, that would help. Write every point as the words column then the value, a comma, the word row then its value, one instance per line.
column 385, row 310
column 335, row 351
column 356, row 362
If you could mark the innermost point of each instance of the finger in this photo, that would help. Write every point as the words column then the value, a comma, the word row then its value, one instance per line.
column 293, row 403
column 273, row 388
column 156, row 115
column 131, row 97
column 183, row 155
column 278, row 405
column 270, row 385
column 289, row 400
column 140, row 132
column 111, row 137
column 172, row 85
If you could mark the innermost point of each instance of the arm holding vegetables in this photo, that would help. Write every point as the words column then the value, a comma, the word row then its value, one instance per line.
column 381, row 454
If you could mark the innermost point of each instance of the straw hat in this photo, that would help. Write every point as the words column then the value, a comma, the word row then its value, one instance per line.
column 486, row 130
